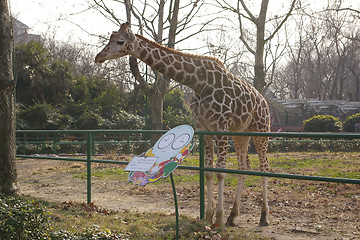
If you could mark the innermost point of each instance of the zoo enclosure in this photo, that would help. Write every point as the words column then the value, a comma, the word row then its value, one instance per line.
column 88, row 141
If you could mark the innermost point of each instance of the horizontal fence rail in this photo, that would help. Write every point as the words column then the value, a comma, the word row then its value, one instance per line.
column 88, row 142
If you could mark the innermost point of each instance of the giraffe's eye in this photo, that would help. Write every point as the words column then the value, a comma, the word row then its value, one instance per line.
column 120, row 42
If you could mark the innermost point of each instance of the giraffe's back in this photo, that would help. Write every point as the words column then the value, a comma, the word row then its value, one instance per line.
column 228, row 101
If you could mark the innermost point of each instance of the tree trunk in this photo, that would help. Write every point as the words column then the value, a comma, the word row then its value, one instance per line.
column 161, row 86
column 157, row 111
column 7, row 99
column 259, row 79
column 162, row 83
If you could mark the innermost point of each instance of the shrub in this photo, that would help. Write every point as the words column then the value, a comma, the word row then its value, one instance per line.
column 350, row 122
column 322, row 123
column 91, row 120
column 90, row 233
column 42, row 116
column 22, row 219
column 176, row 111
column 125, row 120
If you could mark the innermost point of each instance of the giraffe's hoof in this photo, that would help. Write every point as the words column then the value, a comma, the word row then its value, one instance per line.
column 264, row 219
column 209, row 216
column 264, row 224
column 231, row 219
column 230, row 223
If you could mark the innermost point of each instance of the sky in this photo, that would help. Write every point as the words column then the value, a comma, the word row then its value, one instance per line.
column 67, row 19
column 70, row 20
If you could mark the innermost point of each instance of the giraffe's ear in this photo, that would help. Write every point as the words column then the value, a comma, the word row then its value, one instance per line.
column 131, row 35
column 124, row 26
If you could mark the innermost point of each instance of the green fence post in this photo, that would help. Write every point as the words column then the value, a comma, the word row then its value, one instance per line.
column 88, row 166
column 92, row 141
column 24, row 147
column 176, row 206
column 37, row 142
column 202, row 176
column 331, row 145
column 128, row 142
column 44, row 139
column 283, row 144
column 54, row 143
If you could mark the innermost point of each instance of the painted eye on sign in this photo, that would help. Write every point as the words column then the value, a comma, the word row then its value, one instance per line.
column 166, row 140
column 163, row 158
column 180, row 141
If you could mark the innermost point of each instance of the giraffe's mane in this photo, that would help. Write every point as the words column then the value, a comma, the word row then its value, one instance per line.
column 184, row 54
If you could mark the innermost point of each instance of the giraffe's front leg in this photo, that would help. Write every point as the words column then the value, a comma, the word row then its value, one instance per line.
column 209, row 212
column 219, row 217
column 235, row 209
column 221, row 163
column 241, row 146
column 209, row 162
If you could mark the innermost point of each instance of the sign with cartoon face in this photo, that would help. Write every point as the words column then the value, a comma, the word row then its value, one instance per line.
column 163, row 158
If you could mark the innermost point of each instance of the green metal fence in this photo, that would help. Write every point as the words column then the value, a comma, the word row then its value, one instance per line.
column 88, row 142
column 47, row 143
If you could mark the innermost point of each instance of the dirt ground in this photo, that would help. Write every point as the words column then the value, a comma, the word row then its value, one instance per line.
column 299, row 209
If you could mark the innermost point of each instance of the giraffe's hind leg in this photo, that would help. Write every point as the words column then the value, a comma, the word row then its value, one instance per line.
column 241, row 146
column 261, row 144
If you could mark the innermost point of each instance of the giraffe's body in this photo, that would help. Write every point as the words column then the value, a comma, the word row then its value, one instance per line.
column 221, row 102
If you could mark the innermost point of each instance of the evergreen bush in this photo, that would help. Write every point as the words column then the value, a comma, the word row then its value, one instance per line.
column 22, row 219
column 42, row 116
column 176, row 110
column 125, row 120
column 322, row 123
column 350, row 122
column 90, row 233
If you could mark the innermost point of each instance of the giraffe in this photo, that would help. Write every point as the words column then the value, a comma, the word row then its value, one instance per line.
column 220, row 102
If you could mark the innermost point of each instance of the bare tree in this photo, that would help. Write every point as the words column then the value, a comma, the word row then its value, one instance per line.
column 7, row 105
column 227, row 48
column 260, row 36
column 323, row 61
column 354, row 68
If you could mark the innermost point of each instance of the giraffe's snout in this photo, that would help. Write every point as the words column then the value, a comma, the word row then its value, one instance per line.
column 99, row 58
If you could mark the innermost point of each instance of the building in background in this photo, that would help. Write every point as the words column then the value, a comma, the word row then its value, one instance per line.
column 290, row 114
column 21, row 34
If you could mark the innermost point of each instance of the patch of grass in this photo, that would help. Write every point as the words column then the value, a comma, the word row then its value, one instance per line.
column 339, row 173
column 319, row 164
column 106, row 174
column 75, row 217
column 76, row 166
column 191, row 160
column 186, row 178
column 232, row 181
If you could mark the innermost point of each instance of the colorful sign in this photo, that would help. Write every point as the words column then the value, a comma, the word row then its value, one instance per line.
column 163, row 158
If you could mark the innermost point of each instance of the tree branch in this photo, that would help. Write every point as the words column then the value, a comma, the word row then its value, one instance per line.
column 106, row 9
column 282, row 22
column 248, row 47
column 252, row 17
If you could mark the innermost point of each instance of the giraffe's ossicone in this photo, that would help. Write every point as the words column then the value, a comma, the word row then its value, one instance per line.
column 221, row 102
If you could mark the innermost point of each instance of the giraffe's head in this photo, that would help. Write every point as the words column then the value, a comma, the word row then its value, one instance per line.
column 121, row 43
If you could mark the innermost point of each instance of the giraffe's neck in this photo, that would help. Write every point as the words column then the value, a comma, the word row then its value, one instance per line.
column 194, row 71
